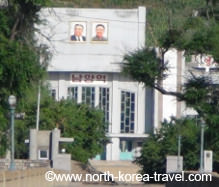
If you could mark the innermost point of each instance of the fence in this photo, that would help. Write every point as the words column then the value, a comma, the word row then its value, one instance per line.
column 23, row 164
column 33, row 177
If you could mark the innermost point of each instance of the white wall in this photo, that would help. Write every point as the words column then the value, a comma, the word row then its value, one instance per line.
column 60, row 81
column 170, row 84
column 166, row 106
column 115, row 150
column 126, row 32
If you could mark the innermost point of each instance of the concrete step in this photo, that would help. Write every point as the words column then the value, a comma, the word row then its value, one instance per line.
column 115, row 167
column 79, row 168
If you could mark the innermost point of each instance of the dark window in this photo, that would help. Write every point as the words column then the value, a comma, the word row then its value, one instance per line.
column 73, row 93
column 104, row 104
column 43, row 154
column 127, row 112
column 126, row 146
column 53, row 93
column 88, row 96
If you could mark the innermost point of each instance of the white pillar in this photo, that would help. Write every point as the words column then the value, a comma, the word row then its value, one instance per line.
column 109, row 151
column 33, row 145
column 141, row 26
column 115, row 149
column 140, row 110
column 55, row 143
column 62, row 89
column 115, row 105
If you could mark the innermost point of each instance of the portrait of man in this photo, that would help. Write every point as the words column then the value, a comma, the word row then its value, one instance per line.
column 78, row 32
column 100, row 32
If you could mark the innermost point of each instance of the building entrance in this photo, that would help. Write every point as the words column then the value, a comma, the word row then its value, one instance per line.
column 126, row 150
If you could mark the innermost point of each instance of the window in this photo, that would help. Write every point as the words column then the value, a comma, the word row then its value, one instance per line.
column 88, row 96
column 127, row 112
column 73, row 93
column 104, row 104
column 43, row 155
column 53, row 93
column 139, row 144
column 125, row 145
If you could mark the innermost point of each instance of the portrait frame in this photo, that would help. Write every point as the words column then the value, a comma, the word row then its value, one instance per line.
column 71, row 34
column 93, row 38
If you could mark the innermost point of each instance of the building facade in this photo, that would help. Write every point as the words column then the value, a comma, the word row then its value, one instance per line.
column 87, row 68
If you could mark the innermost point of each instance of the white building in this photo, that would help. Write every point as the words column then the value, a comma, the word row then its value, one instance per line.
column 90, row 72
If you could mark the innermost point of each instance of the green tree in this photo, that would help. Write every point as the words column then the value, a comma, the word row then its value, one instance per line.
column 20, row 68
column 79, row 121
column 164, row 142
column 20, row 72
column 3, row 133
column 203, row 96
column 189, row 26
column 192, row 28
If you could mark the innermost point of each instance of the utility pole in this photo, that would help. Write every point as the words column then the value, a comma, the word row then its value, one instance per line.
column 12, row 104
column 179, row 153
column 202, row 147
column 39, row 94
column 38, row 107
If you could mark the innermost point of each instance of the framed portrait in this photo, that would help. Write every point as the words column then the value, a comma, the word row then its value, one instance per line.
column 99, row 32
column 78, row 32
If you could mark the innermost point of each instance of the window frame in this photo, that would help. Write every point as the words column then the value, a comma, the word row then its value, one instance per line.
column 127, row 111
column 72, row 96
column 43, row 158
column 92, row 104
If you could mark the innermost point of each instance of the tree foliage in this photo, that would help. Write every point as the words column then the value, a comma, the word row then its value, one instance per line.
column 79, row 121
column 147, row 71
column 20, row 68
column 3, row 132
column 163, row 143
column 203, row 96
column 20, row 72
column 191, row 27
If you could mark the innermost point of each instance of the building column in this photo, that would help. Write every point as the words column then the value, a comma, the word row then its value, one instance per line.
column 140, row 110
column 33, row 155
column 115, row 151
column 96, row 104
column 180, row 81
column 109, row 150
column 62, row 89
column 149, row 110
column 115, row 105
column 141, row 26
column 158, row 109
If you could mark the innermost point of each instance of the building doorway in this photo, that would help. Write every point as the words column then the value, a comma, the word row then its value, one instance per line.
column 126, row 149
